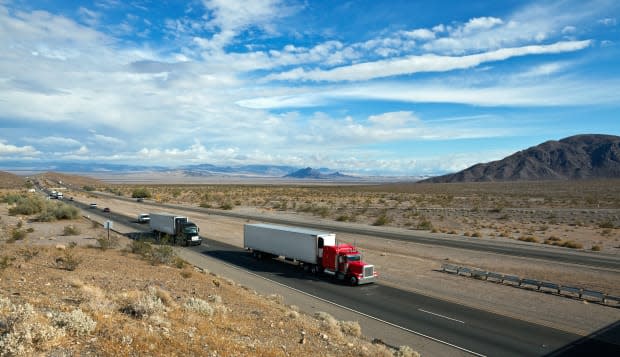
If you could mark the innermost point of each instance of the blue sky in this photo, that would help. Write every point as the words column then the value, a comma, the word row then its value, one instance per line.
column 366, row 87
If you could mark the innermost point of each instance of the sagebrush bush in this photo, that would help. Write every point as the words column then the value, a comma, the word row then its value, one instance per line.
column 351, row 328
column 163, row 254
column 68, row 261
column 27, row 205
column 75, row 322
column 141, row 305
column 200, row 306
column 70, row 230
column 25, row 329
column 140, row 248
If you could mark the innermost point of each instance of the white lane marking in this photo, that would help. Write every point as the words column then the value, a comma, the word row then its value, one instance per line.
column 445, row 317
column 352, row 310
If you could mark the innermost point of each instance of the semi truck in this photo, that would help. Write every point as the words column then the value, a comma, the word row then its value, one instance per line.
column 316, row 251
column 179, row 228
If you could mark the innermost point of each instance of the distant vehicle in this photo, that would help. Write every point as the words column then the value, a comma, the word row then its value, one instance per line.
column 70, row 198
column 107, row 210
column 140, row 199
column 59, row 195
column 178, row 228
column 144, row 218
column 93, row 205
column 316, row 251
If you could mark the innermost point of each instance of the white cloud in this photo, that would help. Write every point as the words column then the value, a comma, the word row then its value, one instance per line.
column 420, row 34
column 477, row 24
column 608, row 21
column 423, row 63
column 11, row 151
column 54, row 141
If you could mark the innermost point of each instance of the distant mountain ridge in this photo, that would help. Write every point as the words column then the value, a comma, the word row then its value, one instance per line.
column 310, row 173
column 588, row 156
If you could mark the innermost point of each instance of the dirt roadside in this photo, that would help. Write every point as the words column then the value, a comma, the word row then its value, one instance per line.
column 415, row 267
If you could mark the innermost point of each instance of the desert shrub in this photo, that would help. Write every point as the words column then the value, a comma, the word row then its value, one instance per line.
column 140, row 305
column 226, row 206
column 18, row 234
column 530, row 239
column 140, row 248
column 75, row 322
column 163, row 254
column 405, row 351
column 27, row 205
column 571, row 244
column 476, row 234
column 11, row 198
column 70, row 230
column 381, row 220
column 328, row 321
column 56, row 211
column 596, row 248
column 24, row 330
column 342, row 218
column 28, row 253
column 179, row 262
column 425, row 225
column 30, row 230
column 606, row 224
column 108, row 243
column 186, row 274
column 141, row 192
column 6, row 261
column 88, row 188
column 198, row 305
column 351, row 328
column 68, row 261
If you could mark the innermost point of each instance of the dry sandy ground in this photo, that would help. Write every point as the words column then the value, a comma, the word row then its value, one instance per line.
column 116, row 304
column 415, row 267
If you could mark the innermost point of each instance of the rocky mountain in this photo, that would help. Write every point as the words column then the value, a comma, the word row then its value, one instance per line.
column 310, row 173
column 590, row 156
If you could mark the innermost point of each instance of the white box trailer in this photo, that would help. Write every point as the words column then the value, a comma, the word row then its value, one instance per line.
column 178, row 227
column 296, row 243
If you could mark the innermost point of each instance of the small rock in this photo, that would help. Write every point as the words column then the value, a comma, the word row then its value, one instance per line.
column 324, row 337
column 61, row 247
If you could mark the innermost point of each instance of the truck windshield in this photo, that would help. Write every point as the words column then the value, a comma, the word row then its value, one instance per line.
column 190, row 230
column 353, row 258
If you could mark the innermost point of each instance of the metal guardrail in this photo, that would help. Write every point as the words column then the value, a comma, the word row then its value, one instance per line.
column 535, row 285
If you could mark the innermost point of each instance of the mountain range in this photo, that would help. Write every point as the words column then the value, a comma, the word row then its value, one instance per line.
column 588, row 156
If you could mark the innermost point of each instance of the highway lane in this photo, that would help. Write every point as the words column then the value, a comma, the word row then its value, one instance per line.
column 471, row 329
column 551, row 254
column 475, row 330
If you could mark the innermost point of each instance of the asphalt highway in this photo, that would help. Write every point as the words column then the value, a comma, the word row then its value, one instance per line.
column 472, row 330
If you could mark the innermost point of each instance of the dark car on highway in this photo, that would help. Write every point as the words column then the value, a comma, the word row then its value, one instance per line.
column 107, row 210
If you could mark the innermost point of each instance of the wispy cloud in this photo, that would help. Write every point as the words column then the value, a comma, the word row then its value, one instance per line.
column 423, row 63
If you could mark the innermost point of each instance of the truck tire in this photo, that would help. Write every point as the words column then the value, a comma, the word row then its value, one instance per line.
column 353, row 280
column 314, row 269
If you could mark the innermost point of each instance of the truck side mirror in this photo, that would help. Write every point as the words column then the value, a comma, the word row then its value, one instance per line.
column 321, row 243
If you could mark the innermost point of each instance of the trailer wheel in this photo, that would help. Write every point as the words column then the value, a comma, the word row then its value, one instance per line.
column 313, row 269
column 353, row 280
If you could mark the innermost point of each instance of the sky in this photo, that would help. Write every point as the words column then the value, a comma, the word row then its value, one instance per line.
column 367, row 87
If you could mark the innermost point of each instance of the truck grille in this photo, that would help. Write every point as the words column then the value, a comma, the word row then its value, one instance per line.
column 369, row 271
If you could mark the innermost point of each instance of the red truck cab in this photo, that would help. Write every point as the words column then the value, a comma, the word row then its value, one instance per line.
column 344, row 262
